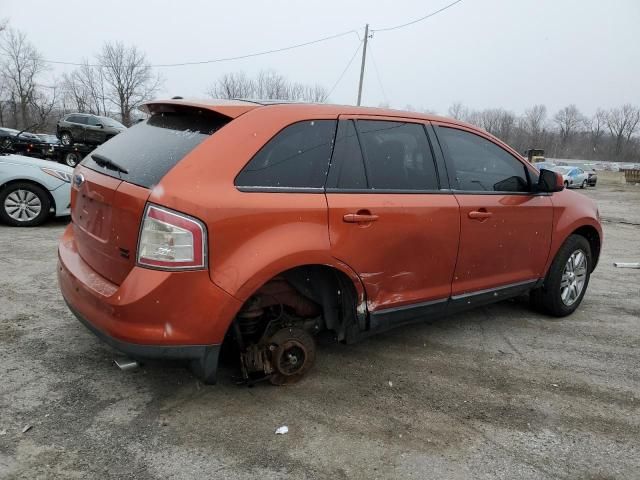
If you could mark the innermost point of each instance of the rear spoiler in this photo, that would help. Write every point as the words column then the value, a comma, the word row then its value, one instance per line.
column 228, row 108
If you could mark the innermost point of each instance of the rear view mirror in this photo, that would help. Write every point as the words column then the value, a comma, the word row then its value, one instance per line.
column 550, row 181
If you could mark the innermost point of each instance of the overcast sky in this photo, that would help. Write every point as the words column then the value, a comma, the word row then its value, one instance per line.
column 484, row 53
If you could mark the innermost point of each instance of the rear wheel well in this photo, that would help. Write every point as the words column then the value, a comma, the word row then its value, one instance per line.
column 32, row 182
column 592, row 236
column 316, row 292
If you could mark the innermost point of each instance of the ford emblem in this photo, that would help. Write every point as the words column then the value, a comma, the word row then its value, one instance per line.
column 78, row 180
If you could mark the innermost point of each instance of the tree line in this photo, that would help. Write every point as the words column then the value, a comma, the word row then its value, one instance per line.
column 116, row 80
column 568, row 133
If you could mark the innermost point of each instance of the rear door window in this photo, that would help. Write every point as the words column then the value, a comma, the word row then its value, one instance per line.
column 397, row 155
column 297, row 157
column 77, row 119
column 347, row 165
column 149, row 149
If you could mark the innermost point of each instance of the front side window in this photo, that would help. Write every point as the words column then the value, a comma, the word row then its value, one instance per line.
column 93, row 121
column 297, row 157
column 479, row 165
column 398, row 155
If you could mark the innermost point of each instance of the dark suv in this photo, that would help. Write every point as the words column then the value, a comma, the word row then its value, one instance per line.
column 87, row 128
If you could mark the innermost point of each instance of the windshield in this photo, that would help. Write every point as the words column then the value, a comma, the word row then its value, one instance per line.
column 563, row 170
column 149, row 149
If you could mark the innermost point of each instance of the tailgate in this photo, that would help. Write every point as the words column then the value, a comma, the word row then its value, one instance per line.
column 106, row 215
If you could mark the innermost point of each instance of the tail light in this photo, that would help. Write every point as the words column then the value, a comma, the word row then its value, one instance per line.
column 171, row 241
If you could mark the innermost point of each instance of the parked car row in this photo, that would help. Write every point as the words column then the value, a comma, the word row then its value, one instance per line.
column 573, row 177
column 76, row 135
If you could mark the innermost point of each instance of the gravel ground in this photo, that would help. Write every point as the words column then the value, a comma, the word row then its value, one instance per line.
column 499, row 392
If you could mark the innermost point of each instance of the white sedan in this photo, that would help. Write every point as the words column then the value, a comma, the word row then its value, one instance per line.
column 32, row 189
column 573, row 176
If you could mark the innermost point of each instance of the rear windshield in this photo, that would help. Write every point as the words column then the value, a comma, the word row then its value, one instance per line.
column 149, row 149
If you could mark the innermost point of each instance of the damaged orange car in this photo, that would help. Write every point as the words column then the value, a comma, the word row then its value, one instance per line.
column 261, row 225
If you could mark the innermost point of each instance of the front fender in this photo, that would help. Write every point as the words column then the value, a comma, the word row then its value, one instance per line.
column 571, row 211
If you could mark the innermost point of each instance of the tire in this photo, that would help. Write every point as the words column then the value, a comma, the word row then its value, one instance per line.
column 24, row 204
column 584, row 184
column 565, row 285
column 6, row 144
column 566, row 184
column 71, row 159
column 66, row 138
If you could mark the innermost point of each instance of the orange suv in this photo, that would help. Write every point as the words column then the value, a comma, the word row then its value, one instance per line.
column 265, row 224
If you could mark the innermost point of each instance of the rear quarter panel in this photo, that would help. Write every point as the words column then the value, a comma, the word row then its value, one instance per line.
column 252, row 236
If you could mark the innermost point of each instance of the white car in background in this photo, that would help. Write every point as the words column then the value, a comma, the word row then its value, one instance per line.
column 31, row 190
column 573, row 176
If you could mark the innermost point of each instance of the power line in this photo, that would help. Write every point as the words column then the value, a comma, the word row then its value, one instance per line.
column 218, row 60
column 345, row 69
column 375, row 67
column 387, row 29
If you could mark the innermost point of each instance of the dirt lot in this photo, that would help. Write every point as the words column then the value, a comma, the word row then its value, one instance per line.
column 500, row 392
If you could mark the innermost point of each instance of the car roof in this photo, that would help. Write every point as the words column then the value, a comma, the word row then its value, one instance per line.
column 236, row 107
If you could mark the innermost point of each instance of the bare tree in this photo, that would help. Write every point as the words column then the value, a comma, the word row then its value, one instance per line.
column 232, row 85
column 622, row 123
column 128, row 77
column 85, row 88
column 268, row 85
column 569, row 119
column 533, row 123
column 597, row 125
column 458, row 111
column 20, row 69
column 43, row 105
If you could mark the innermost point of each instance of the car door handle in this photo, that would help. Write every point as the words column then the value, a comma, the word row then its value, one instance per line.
column 360, row 217
column 479, row 214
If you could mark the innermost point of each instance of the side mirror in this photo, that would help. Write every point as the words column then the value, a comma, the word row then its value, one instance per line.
column 99, row 125
column 550, row 181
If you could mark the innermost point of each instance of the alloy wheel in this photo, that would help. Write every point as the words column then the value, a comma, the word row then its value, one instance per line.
column 574, row 276
column 22, row 205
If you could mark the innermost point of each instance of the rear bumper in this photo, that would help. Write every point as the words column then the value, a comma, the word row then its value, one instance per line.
column 203, row 358
column 152, row 314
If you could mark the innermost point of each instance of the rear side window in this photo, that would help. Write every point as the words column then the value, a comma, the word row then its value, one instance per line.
column 398, row 156
column 477, row 165
column 297, row 157
column 149, row 149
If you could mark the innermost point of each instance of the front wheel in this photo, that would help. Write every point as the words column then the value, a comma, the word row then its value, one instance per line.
column 566, row 184
column 24, row 205
column 567, row 280
column 584, row 184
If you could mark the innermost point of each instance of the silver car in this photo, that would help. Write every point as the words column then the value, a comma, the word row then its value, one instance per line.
column 573, row 177
column 31, row 190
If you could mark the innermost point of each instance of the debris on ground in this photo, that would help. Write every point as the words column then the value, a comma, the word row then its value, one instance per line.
column 626, row 264
column 282, row 430
column 27, row 428
column 390, row 383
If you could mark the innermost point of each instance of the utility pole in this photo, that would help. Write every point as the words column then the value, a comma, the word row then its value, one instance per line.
column 364, row 59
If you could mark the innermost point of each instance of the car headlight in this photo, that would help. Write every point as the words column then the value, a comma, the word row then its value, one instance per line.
column 59, row 174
